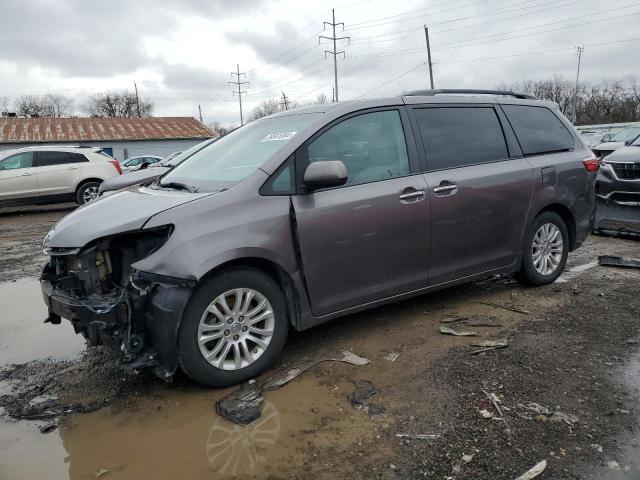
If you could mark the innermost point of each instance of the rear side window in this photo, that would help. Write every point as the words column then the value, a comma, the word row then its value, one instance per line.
column 460, row 136
column 45, row 159
column 538, row 130
column 19, row 160
column 371, row 146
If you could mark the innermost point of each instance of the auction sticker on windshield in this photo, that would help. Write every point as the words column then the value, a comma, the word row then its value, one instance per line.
column 277, row 137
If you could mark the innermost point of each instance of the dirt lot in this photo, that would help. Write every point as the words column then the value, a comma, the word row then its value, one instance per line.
column 565, row 390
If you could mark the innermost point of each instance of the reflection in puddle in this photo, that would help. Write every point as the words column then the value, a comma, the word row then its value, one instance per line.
column 23, row 336
column 177, row 434
column 235, row 449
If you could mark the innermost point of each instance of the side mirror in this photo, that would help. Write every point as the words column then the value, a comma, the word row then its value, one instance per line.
column 324, row 174
column 628, row 142
column 606, row 137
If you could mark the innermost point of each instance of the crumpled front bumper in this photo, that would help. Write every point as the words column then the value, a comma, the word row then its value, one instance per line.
column 158, row 309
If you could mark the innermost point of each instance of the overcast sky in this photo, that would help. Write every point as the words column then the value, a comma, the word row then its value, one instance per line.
column 181, row 52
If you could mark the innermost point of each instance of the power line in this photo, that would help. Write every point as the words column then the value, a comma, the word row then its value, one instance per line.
column 335, row 51
column 239, row 84
column 421, row 64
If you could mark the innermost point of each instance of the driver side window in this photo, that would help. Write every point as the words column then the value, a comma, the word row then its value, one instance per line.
column 19, row 160
column 371, row 146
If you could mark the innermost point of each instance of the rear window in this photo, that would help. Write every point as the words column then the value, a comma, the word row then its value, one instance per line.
column 459, row 136
column 538, row 130
column 44, row 159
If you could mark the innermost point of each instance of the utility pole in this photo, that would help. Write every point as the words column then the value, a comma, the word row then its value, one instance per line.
column 334, row 52
column 285, row 101
column 200, row 113
column 426, row 34
column 137, row 100
column 239, row 84
column 579, row 51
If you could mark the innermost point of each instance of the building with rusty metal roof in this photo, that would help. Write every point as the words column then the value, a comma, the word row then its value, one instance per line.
column 120, row 137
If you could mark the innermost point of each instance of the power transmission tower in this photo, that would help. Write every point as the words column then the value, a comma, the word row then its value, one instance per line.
column 137, row 100
column 334, row 52
column 200, row 112
column 239, row 84
column 285, row 101
column 579, row 51
column 426, row 34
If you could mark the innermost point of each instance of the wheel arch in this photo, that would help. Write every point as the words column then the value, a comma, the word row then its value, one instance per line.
column 276, row 272
column 567, row 216
column 87, row 180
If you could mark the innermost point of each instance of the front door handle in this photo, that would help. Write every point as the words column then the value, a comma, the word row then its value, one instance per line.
column 445, row 188
column 410, row 195
column 27, row 174
column 73, row 168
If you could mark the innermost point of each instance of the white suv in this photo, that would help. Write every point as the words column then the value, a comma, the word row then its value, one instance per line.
column 53, row 174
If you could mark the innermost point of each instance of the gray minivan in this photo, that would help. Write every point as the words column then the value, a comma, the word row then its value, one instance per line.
column 313, row 214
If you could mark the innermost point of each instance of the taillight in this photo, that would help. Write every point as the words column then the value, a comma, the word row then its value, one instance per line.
column 117, row 165
column 591, row 164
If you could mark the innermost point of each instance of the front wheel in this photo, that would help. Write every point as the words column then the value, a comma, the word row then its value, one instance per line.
column 233, row 328
column 545, row 250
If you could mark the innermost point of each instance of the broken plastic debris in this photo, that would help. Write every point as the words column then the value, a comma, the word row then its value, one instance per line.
column 358, row 398
column 418, row 436
column 453, row 319
column 48, row 428
column 450, row 331
column 485, row 413
column 467, row 458
column 533, row 472
column 245, row 404
column 391, row 356
column 102, row 472
column 621, row 262
column 547, row 414
column 489, row 345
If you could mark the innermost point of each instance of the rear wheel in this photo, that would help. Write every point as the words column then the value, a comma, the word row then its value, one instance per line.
column 233, row 328
column 88, row 191
column 545, row 251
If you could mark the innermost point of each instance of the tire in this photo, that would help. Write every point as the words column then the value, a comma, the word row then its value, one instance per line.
column 87, row 191
column 537, row 275
column 201, row 321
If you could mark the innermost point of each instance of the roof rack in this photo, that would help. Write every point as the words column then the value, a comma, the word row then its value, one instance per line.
column 445, row 91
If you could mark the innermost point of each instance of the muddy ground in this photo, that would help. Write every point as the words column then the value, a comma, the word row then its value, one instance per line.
column 565, row 390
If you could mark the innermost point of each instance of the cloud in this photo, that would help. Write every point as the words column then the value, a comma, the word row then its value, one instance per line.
column 96, row 38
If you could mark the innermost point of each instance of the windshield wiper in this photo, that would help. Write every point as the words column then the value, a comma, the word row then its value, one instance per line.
column 178, row 186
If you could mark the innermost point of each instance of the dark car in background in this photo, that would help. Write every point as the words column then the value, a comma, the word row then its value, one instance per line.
column 148, row 172
column 618, row 191
column 312, row 214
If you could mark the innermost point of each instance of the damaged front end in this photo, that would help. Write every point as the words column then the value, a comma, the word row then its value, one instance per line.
column 111, row 303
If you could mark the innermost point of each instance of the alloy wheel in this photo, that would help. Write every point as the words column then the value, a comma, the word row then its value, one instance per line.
column 547, row 249
column 235, row 329
column 90, row 193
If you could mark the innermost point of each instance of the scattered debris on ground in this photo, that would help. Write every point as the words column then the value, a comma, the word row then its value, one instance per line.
column 488, row 345
column 534, row 472
column 391, row 356
column 621, row 262
column 450, row 331
column 244, row 405
column 506, row 307
column 418, row 436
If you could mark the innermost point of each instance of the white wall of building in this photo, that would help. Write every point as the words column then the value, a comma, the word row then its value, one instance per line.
column 126, row 149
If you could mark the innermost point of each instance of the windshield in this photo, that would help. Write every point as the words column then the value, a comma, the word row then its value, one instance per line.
column 172, row 161
column 238, row 154
column 636, row 142
column 626, row 134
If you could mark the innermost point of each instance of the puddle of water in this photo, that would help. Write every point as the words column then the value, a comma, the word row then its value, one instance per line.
column 630, row 461
column 26, row 453
column 23, row 336
column 179, row 435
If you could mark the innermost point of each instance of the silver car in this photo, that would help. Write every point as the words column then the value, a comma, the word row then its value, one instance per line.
column 312, row 214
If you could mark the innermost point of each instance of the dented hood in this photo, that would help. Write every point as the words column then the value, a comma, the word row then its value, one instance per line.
column 121, row 212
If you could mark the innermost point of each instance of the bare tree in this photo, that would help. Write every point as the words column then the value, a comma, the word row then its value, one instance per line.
column 322, row 99
column 268, row 107
column 610, row 101
column 4, row 104
column 49, row 105
column 117, row 104
column 220, row 129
